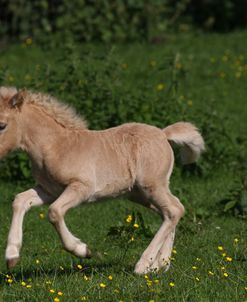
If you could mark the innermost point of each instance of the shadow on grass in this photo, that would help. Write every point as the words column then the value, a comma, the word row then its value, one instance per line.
column 49, row 273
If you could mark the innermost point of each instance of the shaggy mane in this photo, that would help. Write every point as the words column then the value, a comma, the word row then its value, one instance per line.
column 63, row 114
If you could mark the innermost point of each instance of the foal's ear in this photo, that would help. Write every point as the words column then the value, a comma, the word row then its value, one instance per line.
column 17, row 100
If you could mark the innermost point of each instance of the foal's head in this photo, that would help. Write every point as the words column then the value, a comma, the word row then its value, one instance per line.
column 10, row 106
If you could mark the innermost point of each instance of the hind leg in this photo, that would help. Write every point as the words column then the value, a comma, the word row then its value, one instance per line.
column 138, row 196
column 158, row 252
column 163, row 258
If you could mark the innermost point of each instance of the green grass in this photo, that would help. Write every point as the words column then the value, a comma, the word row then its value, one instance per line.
column 211, row 64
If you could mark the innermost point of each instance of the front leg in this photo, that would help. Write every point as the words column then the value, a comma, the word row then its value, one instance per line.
column 73, row 195
column 22, row 204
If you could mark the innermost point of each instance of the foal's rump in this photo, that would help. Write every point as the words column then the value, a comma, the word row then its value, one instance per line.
column 135, row 151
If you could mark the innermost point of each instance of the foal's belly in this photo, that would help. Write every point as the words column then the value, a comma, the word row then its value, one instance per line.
column 111, row 190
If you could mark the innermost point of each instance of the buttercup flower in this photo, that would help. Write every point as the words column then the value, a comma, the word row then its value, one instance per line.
column 129, row 218
column 160, row 87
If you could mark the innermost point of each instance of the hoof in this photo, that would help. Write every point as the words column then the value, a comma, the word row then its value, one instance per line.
column 88, row 253
column 11, row 263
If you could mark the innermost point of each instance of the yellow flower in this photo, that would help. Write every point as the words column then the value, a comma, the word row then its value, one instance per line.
column 223, row 268
column 79, row 266
column 194, row 267
column 245, row 288
column 29, row 41
column 56, row 299
column 102, row 285
column 152, row 63
column 41, row 215
column 197, row 279
column 238, row 75
column 29, row 286
column 160, row 87
column 229, row 259
column 226, row 275
column 83, row 298
column 178, row 66
column 124, row 65
column 220, row 248
column 60, row 293
column 52, row 291
column 151, row 300
column 198, row 259
column 224, row 58
column 132, row 238
column 23, row 283
column 171, row 284
column 28, row 77
column 10, row 280
column 223, row 254
column 174, row 251
column 110, row 277
column 149, row 282
column 37, row 261
column 10, row 78
column 86, row 278
column 129, row 218
column 210, row 273
column 222, row 75
column 136, row 226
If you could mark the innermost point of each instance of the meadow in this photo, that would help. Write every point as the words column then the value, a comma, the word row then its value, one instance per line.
column 189, row 76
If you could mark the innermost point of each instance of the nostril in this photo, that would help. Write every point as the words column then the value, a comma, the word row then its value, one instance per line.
column 2, row 126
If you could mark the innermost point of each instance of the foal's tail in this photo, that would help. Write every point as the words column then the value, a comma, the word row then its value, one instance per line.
column 187, row 136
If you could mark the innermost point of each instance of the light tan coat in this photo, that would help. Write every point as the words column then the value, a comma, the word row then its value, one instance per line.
column 74, row 165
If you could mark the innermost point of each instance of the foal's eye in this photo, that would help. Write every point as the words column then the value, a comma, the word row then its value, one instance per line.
column 2, row 126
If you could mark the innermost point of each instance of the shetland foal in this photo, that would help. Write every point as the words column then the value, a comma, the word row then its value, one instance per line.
column 74, row 165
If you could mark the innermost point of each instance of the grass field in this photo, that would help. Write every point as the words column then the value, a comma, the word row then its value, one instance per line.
column 209, row 260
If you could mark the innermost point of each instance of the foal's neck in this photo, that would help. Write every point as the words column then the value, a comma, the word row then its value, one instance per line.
column 40, row 133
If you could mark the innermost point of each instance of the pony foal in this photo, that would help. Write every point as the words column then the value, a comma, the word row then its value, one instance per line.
column 72, row 165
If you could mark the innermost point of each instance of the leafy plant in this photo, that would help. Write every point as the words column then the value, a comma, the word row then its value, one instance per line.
column 134, row 228
column 236, row 199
